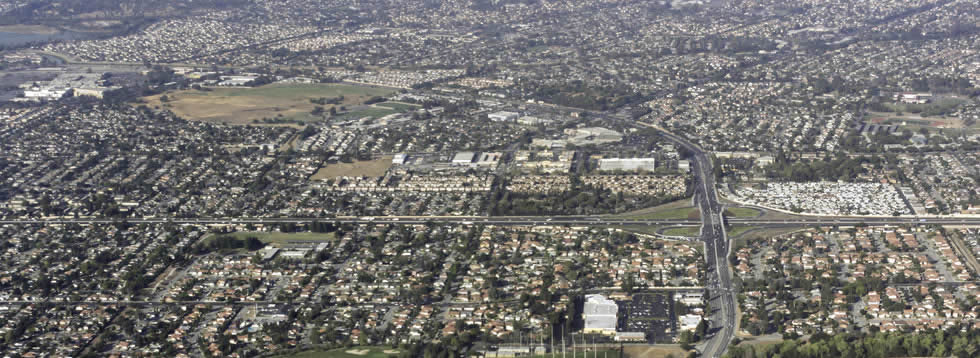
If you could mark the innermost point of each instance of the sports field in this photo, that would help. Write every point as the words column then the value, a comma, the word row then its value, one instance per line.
column 279, row 103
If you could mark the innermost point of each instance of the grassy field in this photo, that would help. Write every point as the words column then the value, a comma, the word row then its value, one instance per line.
column 763, row 233
column 639, row 229
column 911, row 118
column 683, row 231
column 372, row 168
column 399, row 106
column 761, row 342
column 680, row 209
column 244, row 105
column 778, row 215
column 373, row 112
column 742, row 212
column 353, row 352
column 938, row 104
column 737, row 230
column 276, row 238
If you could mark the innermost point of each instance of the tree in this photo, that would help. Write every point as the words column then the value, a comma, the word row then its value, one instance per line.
column 685, row 340
column 701, row 331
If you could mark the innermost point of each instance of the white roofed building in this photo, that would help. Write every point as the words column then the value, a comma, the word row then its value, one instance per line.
column 599, row 315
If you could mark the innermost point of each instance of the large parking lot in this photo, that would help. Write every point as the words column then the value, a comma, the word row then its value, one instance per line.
column 649, row 313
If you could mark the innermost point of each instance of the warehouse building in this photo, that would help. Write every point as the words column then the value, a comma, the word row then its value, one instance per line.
column 631, row 164
column 503, row 116
column 464, row 158
column 599, row 315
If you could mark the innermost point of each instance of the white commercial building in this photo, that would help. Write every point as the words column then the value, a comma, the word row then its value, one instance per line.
column 689, row 322
column 630, row 164
column 489, row 159
column 684, row 166
column 399, row 159
column 599, row 315
column 503, row 116
column 464, row 158
column 689, row 298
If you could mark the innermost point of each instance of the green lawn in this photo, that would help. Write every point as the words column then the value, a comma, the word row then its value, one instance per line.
column 742, row 212
column 353, row 352
column 276, row 238
column 683, row 231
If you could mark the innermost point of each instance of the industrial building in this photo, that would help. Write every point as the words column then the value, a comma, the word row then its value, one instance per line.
column 399, row 159
column 489, row 159
column 684, row 166
column 464, row 158
column 503, row 116
column 599, row 315
column 70, row 83
column 532, row 121
column 630, row 164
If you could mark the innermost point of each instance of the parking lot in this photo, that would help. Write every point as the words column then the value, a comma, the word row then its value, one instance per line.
column 649, row 313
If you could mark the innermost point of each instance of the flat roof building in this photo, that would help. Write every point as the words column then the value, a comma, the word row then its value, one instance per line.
column 630, row 164
column 689, row 322
column 464, row 158
column 684, row 166
column 399, row 159
column 599, row 315
column 489, row 159
column 503, row 116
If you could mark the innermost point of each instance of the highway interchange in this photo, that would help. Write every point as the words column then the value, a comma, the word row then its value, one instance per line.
column 717, row 247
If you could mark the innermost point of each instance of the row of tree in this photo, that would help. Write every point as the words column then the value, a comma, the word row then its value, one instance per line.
column 960, row 343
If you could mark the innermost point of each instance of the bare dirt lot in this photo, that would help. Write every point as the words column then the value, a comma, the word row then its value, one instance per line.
column 654, row 351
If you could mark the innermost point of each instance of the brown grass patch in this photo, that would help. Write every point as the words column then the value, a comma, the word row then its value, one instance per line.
column 654, row 351
column 240, row 106
column 371, row 168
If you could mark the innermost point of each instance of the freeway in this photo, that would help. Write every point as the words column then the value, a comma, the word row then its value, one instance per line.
column 518, row 220
column 464, row 220
column 716, row 248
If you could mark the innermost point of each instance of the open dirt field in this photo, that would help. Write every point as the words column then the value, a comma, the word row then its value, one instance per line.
column 655, row 351
column 373, row 168
column 242, row 106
